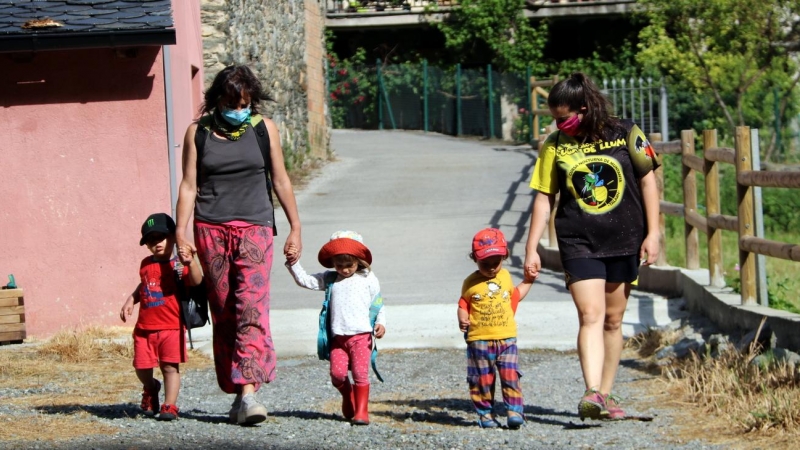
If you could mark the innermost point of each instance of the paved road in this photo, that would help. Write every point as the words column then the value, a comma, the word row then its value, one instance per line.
column 418, row 199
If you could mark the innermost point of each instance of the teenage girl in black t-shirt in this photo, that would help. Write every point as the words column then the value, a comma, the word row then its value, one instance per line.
column 606, row 222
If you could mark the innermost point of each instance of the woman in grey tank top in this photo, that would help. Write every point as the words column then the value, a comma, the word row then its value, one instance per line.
column 232, row 157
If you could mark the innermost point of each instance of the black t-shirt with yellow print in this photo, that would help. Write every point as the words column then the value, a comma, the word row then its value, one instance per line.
column 600, row 211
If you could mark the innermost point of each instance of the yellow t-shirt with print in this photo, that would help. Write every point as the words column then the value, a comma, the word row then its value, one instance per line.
column 491, row 303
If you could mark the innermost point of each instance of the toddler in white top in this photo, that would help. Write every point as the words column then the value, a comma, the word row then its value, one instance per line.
column 352, row 293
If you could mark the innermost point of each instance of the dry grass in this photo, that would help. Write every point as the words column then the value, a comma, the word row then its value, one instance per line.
column 725, row 399
column 57, row 378
column 301, row 175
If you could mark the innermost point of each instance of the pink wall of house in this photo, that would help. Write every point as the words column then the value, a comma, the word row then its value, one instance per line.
column 84, row 162
column 82, row 166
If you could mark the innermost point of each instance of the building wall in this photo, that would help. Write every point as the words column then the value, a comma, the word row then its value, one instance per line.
column 186, row 64
column 276, row 39
column 83, row 164
column 316, row 88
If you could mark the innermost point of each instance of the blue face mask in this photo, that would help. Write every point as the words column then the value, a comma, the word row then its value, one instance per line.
column 235, row 117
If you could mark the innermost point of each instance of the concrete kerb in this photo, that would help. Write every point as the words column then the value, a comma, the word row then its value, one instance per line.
column 721, row 305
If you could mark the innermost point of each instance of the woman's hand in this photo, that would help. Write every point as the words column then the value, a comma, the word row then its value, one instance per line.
column 532, row 266
column 186, row 252
column 650, row 249
column 293, row 248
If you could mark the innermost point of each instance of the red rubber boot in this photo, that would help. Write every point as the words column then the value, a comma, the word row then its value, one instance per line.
column 346, row 389
column 361, row 395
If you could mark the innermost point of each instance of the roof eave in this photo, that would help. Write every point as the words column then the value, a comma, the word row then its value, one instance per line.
column 35, row 42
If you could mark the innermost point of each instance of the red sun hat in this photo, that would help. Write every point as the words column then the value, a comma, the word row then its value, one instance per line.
column 489, row 242
column 344, row 242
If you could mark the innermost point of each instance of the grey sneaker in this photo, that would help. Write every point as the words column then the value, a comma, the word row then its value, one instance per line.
column 250, row 411
column 233, row 414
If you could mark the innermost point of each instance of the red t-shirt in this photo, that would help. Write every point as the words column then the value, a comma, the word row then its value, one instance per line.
column 158, row 299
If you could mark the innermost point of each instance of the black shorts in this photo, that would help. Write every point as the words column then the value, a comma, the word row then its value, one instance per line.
column 615, row 269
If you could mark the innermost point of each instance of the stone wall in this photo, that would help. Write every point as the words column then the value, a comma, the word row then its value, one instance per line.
column 282, row 41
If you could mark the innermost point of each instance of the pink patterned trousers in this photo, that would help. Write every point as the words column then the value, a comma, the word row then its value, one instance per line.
column 236, row 264
column 353, row 353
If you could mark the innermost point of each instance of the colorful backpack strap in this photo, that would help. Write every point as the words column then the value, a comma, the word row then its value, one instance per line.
column 324, row 336
column 374, row 309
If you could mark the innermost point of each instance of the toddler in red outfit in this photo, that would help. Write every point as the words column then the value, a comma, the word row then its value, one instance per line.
column 158, row 337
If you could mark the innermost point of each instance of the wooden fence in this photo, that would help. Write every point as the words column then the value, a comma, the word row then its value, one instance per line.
column 713, row 222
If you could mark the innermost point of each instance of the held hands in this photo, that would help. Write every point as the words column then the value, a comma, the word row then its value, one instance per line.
column 380, row 330
column 293, row 248
column 186, row 252
column 533, row 264
column 291, row 253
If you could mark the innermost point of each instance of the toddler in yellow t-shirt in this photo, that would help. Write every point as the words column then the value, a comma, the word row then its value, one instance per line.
column 486, row 310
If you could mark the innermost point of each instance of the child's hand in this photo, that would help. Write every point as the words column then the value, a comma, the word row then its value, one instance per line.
column 463, row 324
column 186, row 253
column 529, row 278
column 380, row 330
column 127, row 309
column 291, row 253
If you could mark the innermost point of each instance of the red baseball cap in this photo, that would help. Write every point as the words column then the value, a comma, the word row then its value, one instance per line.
column 489, row 242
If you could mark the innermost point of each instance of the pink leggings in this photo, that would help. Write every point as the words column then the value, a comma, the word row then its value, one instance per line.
column 236, row 264
column 351, row 352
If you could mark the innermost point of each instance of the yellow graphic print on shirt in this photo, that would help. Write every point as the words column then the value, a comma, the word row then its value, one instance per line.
column 490, row 312
column 597, row 183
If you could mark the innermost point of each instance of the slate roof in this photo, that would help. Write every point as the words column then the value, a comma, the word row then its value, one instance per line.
column 24, row 24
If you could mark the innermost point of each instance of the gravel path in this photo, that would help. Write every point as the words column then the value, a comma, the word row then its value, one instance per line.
column 424, row 404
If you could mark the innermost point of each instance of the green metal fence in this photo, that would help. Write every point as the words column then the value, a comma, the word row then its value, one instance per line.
column 455, row 100
column 467, row 101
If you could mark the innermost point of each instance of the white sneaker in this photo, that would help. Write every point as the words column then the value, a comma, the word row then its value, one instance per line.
column 250, row 411
column 233, row 413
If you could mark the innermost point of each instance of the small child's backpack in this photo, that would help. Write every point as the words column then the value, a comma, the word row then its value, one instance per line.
column 325, row 335
column 193, row 302
column 262, row 136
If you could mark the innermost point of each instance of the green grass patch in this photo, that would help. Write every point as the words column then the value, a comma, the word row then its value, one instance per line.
column 783, row 282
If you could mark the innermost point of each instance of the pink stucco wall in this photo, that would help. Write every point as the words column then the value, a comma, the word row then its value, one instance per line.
column 83, row 163
column 82, row 166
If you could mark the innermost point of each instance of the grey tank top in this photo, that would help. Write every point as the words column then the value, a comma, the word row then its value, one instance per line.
column 231, row 183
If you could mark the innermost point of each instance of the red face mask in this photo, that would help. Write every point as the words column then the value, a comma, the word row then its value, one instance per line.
column 570, row 126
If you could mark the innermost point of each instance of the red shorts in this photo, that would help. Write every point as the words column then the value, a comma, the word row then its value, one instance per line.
column 152, row 347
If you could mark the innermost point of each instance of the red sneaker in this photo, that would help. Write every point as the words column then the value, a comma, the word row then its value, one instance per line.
column 592, row 405
column 613, row 403
column 168, row 412
column 150, row 400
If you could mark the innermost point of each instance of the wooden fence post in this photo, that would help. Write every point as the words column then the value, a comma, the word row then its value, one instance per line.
column 711, row 169
column 662, row 226
column 744, row 197
column 690, row 202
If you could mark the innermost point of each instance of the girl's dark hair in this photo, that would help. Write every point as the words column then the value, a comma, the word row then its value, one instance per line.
column 579, row 91
column 229, row 84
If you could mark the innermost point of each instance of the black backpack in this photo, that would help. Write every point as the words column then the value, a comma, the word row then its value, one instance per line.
column 193, row 301
column 258, row 124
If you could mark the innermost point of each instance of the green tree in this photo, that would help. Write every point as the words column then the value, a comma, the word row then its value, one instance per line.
column 500, row 27
column 739, row 52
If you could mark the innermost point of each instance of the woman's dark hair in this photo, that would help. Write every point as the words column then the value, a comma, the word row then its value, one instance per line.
column 577, row 92
column 229, row 84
